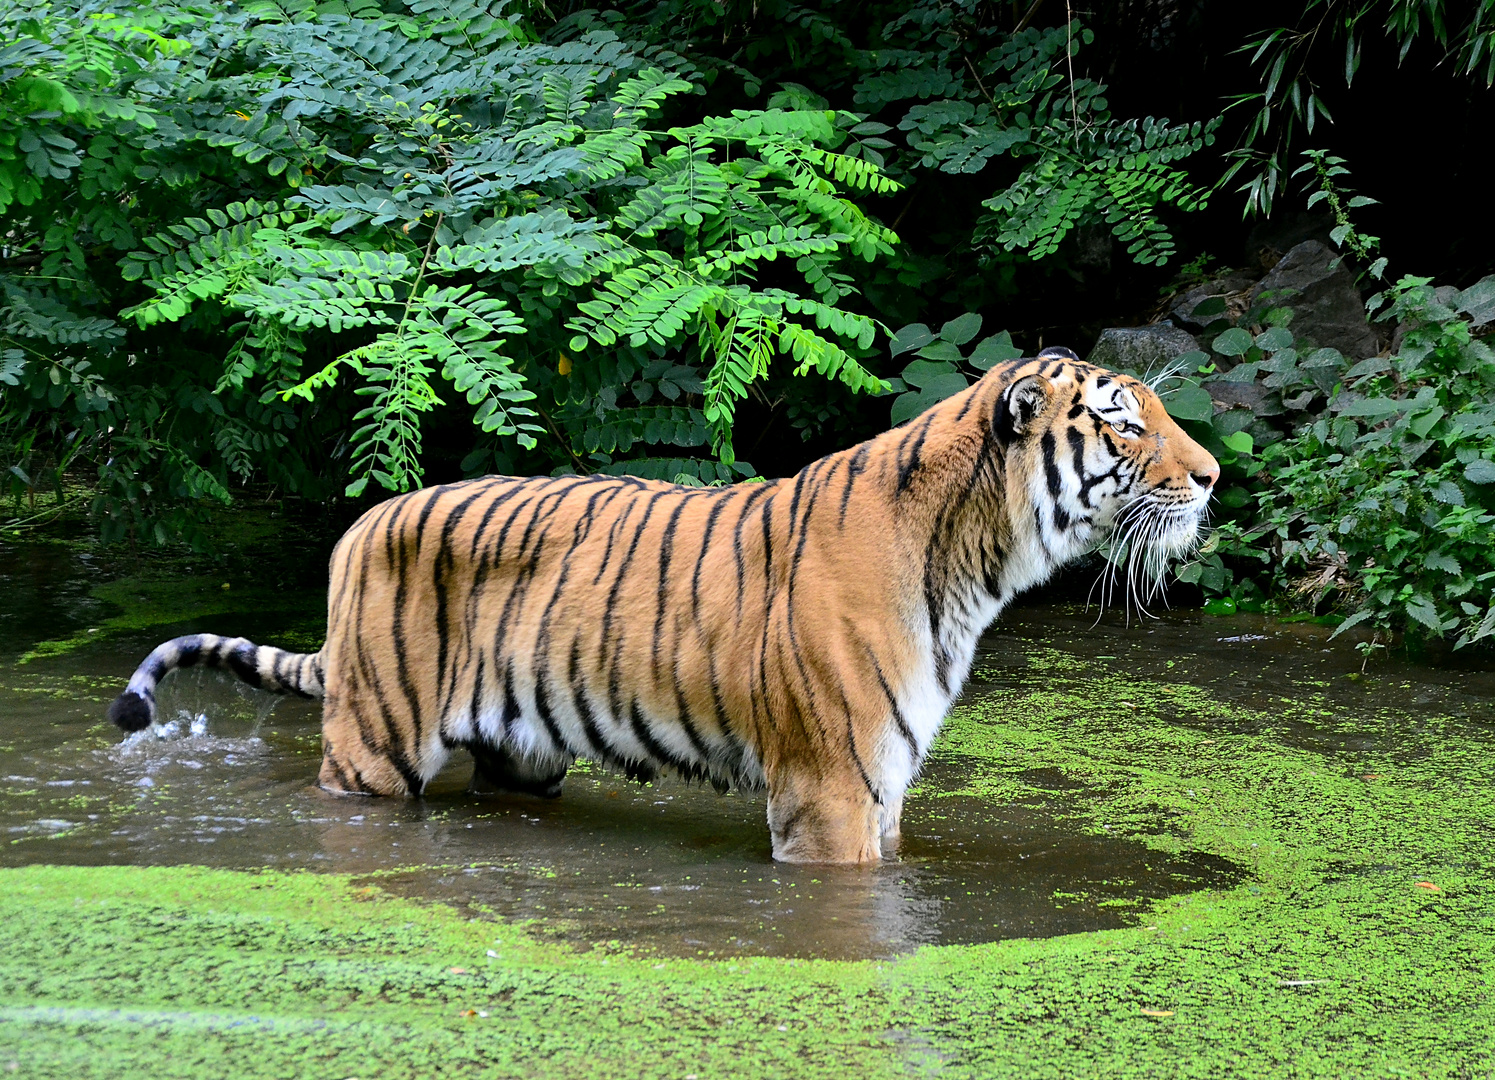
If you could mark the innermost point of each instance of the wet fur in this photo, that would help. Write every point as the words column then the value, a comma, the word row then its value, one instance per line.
column 806, row 635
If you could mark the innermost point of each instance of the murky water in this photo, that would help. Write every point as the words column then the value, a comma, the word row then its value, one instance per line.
column 666, row 867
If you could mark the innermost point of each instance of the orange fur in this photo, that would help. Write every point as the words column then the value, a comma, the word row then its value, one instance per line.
column 805, row 634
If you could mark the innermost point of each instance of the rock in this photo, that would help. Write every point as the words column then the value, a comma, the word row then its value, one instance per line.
column 1478, row 302
column 1326, row 305
column 1141, row 348
column 1261, row 400
column 1234, row 288
column 1272, row 238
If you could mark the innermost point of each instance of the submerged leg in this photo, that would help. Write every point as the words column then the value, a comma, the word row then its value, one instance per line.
column 890, row 819
column 814, row 818
column 500, row 769
column 353, row 763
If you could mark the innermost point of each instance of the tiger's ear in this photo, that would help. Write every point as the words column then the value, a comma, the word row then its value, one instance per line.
column 1019, row 405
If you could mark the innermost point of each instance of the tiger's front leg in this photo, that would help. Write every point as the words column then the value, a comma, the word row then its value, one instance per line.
column 818, row 818
column 500, row 769
column 890, row 819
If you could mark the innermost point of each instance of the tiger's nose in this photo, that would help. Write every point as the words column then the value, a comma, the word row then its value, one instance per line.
column 1206, row 479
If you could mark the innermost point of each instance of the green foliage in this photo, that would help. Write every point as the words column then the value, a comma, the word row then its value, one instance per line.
column 955, row 98
column 1291, row 98
column 275, row 242
column 1325, row 167
column 1388, row 495
column 1079, row 165
column 941, row 369
column 1382, row 496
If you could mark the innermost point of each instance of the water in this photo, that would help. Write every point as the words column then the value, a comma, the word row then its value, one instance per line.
column 667, row 867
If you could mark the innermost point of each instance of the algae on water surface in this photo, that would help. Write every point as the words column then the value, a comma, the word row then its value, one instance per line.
column 1359, row 941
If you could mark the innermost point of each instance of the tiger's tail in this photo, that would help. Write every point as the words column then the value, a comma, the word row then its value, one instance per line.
column 261, row 666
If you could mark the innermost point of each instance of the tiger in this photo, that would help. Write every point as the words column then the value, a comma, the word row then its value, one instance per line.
column 805, row 635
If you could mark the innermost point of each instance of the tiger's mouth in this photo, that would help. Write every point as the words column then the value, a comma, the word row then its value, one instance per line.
column 1147, row 537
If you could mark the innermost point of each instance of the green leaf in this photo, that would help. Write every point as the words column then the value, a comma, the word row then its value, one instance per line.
column 1189, row 402
column 1439, row 560
column 945, row 386
column 1354, row 620
column 961, row 329
column 993, row 350
column 1370, row 366
column 1239, row 442
column 1235, row 497
column 1480, row 471
column 1374, row 408
column 1478, row 301
column 1422, row 423
column 1278, row 337
column 1209, row 308
column 1232, row 342
column 912, row 336
column 941, row 350
column 1423, row 610
column 921, row 373
column 907, row 406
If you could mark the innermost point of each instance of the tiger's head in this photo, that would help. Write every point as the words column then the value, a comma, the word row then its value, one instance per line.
column 1099, row 459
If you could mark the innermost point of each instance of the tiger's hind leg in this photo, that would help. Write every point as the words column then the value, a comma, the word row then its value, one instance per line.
column 500, row 769
column 354, row 764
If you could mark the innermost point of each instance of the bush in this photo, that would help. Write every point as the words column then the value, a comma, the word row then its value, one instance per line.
column 215, row 218
column 273, row 241
column 1388, row 496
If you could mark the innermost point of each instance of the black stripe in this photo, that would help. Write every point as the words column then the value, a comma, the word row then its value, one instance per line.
column 613, row 532
column 910, row 465
column 441, row 566
column 656, row 749
column 666, row 553
column 851, row 738
column 579, row 532
column 188, row 654
column 610, row 607
column 511, row 710
column 695, row 577
column 718, row 706
column 579, row 699
column 241, row 662
column 1051, row 476
column 433, row 496
column 682, row 710
column 542, row 710
column 476, row 704
column 517, row 488
column 365, row 668
column 972, row 396
column 395, row 553
column 767, row 517
column 748, row 500
column 854, row 468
